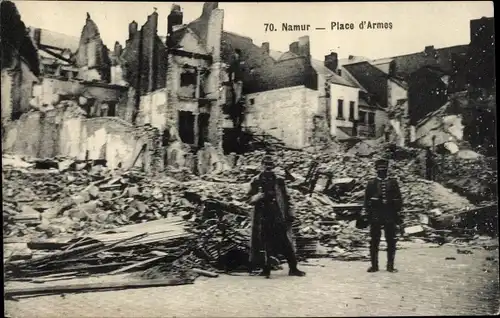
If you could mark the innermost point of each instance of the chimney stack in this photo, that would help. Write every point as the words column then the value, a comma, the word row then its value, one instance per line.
column 294, row 48
column 153, row 19
column 117, row 49
column 174, row 18
column 331, row 61
column 208, row 7
column 265, row 47
column 304, row 47
column 132, row 29
column 429, row 50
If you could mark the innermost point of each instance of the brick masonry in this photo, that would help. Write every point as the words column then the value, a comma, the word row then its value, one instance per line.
column 295, row 106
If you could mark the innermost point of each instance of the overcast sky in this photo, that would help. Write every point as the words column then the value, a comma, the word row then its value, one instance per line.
column 414, row 24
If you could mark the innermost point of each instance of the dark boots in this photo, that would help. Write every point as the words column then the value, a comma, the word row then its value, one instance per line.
column 294, row 271
column 266, row 271
column 391, row 254
column 373, row 259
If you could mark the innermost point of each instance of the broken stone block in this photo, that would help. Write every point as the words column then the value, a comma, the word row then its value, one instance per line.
column 53, row 230
column 93, row 191
column 133, row 191
column 23, row 254
column 65, row 165
column 42, row 205
column 44, row 226
column 103, row 216
column 157, row 193
column 436, row 212
column 89, row 207
column 130, row 212
column 424, row 219
column 106, row 196
column 76, row 214
column 140, row 206
column 412, row 230
column 81, row 198
column 53, row 212
column 28, row 215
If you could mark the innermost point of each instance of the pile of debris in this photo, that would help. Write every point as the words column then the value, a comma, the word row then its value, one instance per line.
column 80, row 218
column 475, row 178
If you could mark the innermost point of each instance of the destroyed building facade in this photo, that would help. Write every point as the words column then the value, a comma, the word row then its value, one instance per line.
column 20, row 64
column 413, row 86
column 181, row 83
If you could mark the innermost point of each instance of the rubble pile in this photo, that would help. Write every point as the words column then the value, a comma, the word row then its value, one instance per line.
column 475, row 179
column 49, row 208
column 181, row 223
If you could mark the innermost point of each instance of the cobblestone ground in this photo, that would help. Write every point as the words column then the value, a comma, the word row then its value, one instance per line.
column 427, row 284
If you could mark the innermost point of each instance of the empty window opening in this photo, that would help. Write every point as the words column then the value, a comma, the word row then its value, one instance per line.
column 189, row 81
column 203, row 122
column 252, row 101
column 371, row 119
column 362, row 117
column 112, row 109
column 186, row 127
column 340, row 109
column 351, row 111
column 230, row 141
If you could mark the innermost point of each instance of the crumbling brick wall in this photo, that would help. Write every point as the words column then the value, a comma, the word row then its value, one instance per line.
column 92, row 55
column 295, row 124
column 67, row 132
column 145, row 57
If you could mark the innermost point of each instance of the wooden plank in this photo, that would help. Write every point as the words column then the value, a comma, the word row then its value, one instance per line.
column 84, row 268
column 10, row 292
column 113, row 245
column 347, row 205
column 56, row 255
column 205, row 273
column 135, row 265
column 144, row 227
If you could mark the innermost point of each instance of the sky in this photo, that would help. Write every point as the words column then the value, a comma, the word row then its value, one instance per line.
column 414, row 24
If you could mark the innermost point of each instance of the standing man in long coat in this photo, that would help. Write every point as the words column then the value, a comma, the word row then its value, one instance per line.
column 271, row 221
column 383, row 204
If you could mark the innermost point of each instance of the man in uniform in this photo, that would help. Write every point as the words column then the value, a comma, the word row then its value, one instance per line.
column 271, row 221
column 383, row 205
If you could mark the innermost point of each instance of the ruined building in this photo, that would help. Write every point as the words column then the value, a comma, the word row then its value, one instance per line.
column 75, row 110
column 20, row 64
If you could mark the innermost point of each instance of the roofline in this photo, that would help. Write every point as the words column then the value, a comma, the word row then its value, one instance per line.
column 345, row 85
column 357, row 82
column 242, row 36
column 407, row 54
column 396, row 81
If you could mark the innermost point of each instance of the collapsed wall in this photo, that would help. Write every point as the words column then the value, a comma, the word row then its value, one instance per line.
column 67, row 132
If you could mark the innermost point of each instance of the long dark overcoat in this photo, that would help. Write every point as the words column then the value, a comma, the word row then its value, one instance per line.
column 263, row 233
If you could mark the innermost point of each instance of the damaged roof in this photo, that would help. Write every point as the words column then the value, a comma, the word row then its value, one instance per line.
column 405, row 65
column 56, row 39
column 318, row 66
column 261, row 71
column 332, row 77
column 372, row 79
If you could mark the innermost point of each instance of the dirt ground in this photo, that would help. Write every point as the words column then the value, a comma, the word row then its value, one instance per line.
column 427, row 284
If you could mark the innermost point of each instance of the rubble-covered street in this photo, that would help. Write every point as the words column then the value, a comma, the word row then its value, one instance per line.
column 432, row 281
column 157, row 160
column 65, row 219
